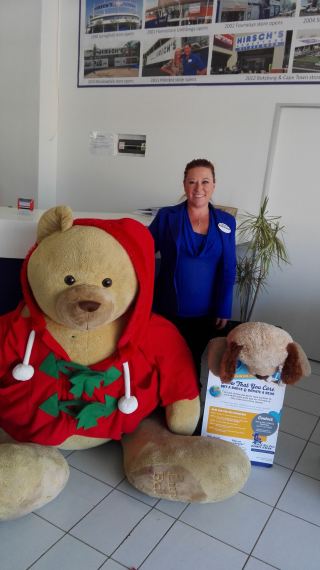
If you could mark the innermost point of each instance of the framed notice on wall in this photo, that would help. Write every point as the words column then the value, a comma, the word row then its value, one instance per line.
column 198, row 42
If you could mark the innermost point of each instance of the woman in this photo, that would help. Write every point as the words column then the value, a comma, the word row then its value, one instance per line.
column 196, row 241
column 174, row 66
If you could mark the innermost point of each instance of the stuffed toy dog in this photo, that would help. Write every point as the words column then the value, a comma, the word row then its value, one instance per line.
column 83, row 360
column 263, row 348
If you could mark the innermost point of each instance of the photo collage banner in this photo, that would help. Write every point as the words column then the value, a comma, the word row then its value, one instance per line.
column 202, row 42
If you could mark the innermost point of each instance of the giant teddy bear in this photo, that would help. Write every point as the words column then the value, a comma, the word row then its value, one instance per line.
column 84, row 360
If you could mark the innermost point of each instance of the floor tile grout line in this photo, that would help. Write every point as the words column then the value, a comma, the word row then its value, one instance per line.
column 48, row 521
column 89, row 511
column 177, row 519
column 68, row 533
column 274, row 508
column 294, row 435
column 282, row 510
column 314, row 429
column 132, row 497
column 307, row 475
column 45, row 552
column 84, row 542
column 260, row 560
column 90, row 545
column 214, row 537
column 261, row 532
column 153, row 508
column 293, row 471
column 303, row 411
column 109, row 558
column 300, row 388
column 96, row 478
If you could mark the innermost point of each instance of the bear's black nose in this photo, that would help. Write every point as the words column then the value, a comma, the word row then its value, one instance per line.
column 89, row 306
column 262, row 377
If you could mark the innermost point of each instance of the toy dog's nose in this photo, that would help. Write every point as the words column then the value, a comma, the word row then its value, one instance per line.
column 89, row 306
column 261, row 377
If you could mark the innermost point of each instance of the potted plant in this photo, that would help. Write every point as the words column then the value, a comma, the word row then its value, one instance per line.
column 262, row 236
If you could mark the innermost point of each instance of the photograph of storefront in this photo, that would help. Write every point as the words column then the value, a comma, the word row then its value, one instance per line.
column 116, row 59
column 307, row 52
column 242, row 10
column 262, row 52
column 164, row 13
column 308, row 7
column 158, row 55
column 113, row 15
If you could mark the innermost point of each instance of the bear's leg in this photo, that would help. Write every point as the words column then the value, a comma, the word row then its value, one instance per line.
column 31, row 475
column 183, row 468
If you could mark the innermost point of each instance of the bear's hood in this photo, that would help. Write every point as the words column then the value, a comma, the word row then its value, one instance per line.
column 136, row 239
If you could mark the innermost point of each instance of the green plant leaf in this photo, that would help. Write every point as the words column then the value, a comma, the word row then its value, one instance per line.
column 264, row 248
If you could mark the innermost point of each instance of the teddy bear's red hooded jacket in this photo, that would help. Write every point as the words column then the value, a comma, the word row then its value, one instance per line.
column 64, row 398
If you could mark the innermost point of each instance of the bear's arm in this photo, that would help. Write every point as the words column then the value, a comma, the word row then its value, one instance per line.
column 178, row 382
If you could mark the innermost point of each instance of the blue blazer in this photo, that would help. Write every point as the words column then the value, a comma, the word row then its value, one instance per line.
column 166, row 230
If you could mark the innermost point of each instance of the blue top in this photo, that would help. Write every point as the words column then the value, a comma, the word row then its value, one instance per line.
column 196, row 269
column 192, row 64
column 169, row 237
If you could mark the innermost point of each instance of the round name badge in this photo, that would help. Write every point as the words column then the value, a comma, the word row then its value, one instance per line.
column 224, row 228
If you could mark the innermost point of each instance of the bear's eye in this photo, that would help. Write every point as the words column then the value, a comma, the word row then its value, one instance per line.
column 107, row 282
column 69, row 280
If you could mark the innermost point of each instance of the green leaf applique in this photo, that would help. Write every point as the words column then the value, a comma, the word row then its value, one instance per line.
column 111, row 375
column 89, row 415
column 51, row 406
column 83, row 379
column 50, row 366
column 85, row 382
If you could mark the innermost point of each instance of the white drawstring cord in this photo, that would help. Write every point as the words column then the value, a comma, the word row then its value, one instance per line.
column 24, row 370
column 127, row 404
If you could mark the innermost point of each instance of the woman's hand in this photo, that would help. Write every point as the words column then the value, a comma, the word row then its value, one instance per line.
column 221, row 323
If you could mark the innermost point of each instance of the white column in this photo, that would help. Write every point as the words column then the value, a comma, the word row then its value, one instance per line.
column 49, row 103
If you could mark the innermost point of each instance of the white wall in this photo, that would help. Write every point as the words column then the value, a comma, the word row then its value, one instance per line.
column 19, row 99
column 231, row 125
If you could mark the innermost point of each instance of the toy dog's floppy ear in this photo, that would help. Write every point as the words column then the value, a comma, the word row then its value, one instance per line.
column 57, row 219
column 296, row 364
column 216, row 348
column 229, row 361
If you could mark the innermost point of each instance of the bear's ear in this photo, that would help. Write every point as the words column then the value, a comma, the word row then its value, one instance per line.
column 229, row 361
column 296, row 365
column 57, row 219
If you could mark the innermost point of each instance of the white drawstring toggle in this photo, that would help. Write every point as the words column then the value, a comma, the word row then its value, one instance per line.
column 127, row 404
column 24, row 370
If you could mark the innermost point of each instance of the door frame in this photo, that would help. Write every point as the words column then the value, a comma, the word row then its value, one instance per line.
column 273, row 139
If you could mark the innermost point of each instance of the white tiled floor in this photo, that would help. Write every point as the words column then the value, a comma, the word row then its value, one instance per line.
column 101, row 522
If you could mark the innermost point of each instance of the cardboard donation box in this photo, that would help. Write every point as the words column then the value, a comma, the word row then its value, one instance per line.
column 246, row 412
